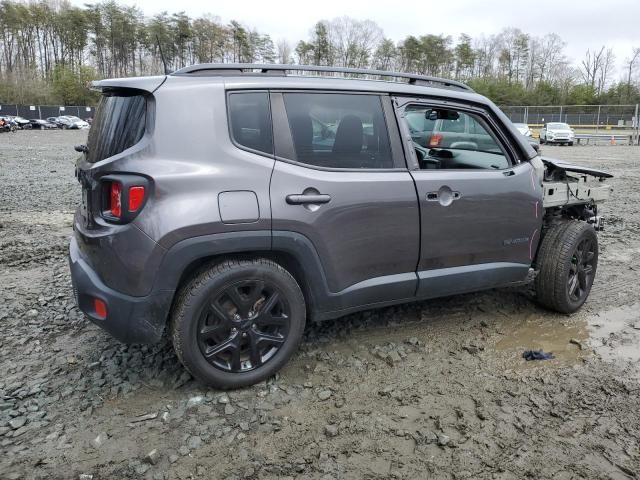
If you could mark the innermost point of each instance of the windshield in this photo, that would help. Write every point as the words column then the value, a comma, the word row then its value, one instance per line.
column 119, row 123
column 559, row 126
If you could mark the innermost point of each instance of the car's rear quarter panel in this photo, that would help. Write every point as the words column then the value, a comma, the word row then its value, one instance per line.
column 194, row 161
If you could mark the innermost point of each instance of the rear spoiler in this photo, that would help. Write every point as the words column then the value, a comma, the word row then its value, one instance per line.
column 147, row 84
column 568, row 167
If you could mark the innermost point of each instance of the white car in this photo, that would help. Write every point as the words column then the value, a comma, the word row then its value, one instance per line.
column 524, row 129
column 71, row 121
column 557, row 132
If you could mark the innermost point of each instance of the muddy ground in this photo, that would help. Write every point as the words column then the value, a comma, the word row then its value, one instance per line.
column 436, row 389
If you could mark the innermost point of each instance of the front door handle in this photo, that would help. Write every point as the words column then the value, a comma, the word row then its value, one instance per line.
column 445, row 196
column 302, row 199
column 508, row 173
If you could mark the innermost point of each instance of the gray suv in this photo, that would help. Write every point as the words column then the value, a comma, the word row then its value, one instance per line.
column 229, row 204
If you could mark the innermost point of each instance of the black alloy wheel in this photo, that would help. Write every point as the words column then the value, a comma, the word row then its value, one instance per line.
column 244, row 325
column 238, row 321
column 581, row 270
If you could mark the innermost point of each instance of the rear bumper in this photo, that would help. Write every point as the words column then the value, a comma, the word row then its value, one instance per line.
column 129, row 319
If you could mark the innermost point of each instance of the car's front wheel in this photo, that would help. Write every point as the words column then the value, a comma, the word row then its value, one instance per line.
column 238, row 322
column 566, row 263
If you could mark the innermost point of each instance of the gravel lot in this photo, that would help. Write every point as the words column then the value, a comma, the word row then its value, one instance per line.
column 436, row 389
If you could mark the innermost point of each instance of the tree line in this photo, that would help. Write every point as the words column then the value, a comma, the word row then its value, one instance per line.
column 50, row 51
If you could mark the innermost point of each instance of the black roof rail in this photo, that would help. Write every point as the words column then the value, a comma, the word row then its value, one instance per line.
column 205, row 69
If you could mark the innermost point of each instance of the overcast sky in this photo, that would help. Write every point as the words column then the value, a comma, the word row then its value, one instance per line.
column 582, row 24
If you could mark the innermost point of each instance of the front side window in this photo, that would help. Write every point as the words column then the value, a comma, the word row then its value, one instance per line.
column 119, row 123
column 250, row 119
column 338, row 130
column 453, row 139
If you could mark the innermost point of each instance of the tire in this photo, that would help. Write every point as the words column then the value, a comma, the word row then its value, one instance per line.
column 570, row 144
column 65, row 127
column 224, row 311
column 542, row 141
column 567, row 262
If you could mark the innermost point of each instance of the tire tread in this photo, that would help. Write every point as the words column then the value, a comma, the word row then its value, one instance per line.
column 555, row 253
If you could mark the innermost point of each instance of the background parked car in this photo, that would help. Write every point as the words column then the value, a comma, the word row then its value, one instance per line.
column 76, row 121
column 8, row 125
column 557, row 132
column 38, row 123
column 21, row 122
column 524, row 129
column 54, row 121
column 68, row 122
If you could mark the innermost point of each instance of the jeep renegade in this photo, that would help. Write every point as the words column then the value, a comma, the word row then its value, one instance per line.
column 229, row 204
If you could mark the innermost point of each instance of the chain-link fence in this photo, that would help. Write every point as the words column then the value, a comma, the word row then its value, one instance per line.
column 588, row 117
column 583, row 118
column 44, row 111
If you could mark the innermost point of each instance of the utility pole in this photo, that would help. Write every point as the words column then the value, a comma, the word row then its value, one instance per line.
column 637, row 126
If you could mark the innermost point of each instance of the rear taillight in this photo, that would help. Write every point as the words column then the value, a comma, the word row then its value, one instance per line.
column 436, row 140
column 115, row 200
column 123, row 196
column 136, row 198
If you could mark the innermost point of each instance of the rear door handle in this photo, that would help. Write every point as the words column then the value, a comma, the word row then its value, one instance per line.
column 302, row 199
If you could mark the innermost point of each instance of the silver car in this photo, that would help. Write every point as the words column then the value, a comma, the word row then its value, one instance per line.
column 557, row 132
column 524, row 129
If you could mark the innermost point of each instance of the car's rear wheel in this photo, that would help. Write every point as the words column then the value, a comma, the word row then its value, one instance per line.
column 571, row 144
column 238, row 322
column 567, row 263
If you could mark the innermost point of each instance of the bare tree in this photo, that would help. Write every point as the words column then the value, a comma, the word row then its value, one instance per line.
column 606, row 66
column 354, row 40
column 631, row 65
column 591, row 65
column 486, row 50
column 549, row 57
column 284, row 51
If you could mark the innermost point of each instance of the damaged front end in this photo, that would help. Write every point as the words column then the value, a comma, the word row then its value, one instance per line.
column 572, row 191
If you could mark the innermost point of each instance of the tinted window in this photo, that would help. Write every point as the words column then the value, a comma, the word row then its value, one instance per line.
column 338, row 130
column 455, row 140
column 119, row 123
column 250, row 119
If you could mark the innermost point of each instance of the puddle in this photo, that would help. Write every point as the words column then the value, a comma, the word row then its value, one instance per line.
column 615, row 333
column 566, row 339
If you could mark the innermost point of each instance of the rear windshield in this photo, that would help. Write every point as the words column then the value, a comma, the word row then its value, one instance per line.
column 119, row 123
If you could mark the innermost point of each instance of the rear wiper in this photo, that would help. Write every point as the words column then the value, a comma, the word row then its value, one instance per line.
column 81, row 148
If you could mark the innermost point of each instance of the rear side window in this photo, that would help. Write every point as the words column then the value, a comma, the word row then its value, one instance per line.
column 119, row 123
column 338, row 130
column 250, row 120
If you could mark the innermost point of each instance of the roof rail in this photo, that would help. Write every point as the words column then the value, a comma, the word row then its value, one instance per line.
column 205, row 69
